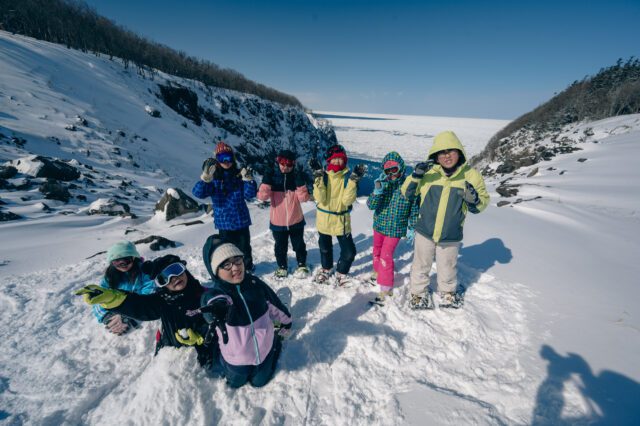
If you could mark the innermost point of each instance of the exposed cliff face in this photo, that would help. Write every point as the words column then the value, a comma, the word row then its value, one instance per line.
column 550, row 129
column 115, row 124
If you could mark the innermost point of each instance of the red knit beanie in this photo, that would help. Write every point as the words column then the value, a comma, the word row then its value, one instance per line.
column 223, row 147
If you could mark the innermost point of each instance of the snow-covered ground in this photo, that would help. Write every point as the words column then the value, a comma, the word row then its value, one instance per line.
column 549, row 333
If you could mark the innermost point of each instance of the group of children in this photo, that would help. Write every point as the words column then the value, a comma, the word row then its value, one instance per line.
column 232, row 324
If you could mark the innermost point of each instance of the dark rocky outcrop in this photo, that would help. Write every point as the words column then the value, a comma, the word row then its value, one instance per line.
column 54, row 190
column 175, row 203
column 7, row 172
column 110, row 207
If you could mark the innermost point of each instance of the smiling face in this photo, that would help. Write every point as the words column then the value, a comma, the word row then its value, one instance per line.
column 178, row 283
column 232, row 270
column 124, row 264
column 448, row 158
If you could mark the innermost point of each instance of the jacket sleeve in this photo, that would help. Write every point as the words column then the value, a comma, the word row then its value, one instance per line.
column 410, row 188
column 349, row 194
column 414, row 211
column 264, row 193
column 302, row 192
column 202, row 189
column 320, row 190
column 475, row 179
column 250, row 189
column 374, row 200
column 143, row 307
column 277, row 310
column 98, row 311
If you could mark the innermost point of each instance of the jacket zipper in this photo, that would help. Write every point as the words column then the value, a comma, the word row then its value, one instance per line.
column 253, row 330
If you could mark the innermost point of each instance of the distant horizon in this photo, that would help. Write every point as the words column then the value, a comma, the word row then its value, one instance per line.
column 453, row 59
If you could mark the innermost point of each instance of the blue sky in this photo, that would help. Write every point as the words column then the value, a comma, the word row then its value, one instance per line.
column 485, row 59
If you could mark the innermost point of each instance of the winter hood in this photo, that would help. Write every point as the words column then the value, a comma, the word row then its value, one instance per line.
column 394, row 156
column 447, row 140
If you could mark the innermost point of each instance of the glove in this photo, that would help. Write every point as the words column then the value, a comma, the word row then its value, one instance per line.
column 299, row 177
column 285, row 331
column 422, row 168
column 115, row 324
column 247, row 174
column 470, row 194
column 108, row 298
column 188, row 337
column 208, row 169
column 218, row 309
column 316, row 167
column 380, row 184
column 358, row 173
column 411, row 235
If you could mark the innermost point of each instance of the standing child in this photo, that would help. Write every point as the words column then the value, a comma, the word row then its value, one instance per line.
column 392, row 213
column 286, row 188
column 123, row 273
column 447, row 191
column 178, row 293
column 334, row 191
column 229, row 190
column 242, row 308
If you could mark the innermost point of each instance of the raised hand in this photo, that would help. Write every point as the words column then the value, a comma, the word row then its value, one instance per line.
column 316, row 167
column 358, row 172
column 470, row 194
column 108, row 298
column 422, row 168
column 247, row 173
column 208, row 169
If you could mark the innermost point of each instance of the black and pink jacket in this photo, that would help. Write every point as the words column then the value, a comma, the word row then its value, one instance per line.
column 253, row 307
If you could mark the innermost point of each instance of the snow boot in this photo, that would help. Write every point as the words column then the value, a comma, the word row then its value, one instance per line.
column 343, row 280
column 281, row 273
column 451, row 300
column 382, row 297
column 322, row 276
column 418, row 302
column 302, row 271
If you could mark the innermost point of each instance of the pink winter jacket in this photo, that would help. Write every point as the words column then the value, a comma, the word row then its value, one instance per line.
column 285, row 206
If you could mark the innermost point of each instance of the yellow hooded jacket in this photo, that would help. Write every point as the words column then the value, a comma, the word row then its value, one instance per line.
column 442, row 207
column 334, row 200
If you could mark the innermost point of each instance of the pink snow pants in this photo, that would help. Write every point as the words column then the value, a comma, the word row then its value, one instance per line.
column 383, row 248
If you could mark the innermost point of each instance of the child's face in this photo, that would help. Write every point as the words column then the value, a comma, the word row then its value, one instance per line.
column 448, row 158
column 232, row 270
column 178, row 283
column 285, row 168
column 337, row 161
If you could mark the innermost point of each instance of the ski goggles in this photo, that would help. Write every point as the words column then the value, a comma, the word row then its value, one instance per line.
column 123, row 262
column 224, row 157
column 173, row 270
column 392, row 171
column 228, row 264
column 285, row 162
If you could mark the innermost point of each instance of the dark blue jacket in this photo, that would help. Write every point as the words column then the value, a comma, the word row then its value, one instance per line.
column 228, row 195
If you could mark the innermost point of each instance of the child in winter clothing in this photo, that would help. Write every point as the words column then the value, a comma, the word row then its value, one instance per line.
column 178, row 295
column 123, row 273
column 229, row 190
column 242, row 309
column 334, row 191
column 392, row 214
column 286, row 188
column 447, row 191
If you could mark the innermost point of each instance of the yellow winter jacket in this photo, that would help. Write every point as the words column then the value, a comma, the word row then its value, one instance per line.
column 334, row 194
column 442, row 207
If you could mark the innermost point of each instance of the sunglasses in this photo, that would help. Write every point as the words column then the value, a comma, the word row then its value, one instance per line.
column 228, row 264
column 173, row 270
column 122, row 262
column 224, row 157
column 285, row 162
column 446, row 151
column 391, row 170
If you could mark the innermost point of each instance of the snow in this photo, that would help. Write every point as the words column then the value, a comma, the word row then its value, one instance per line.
column 549, row 331
column 173, row 193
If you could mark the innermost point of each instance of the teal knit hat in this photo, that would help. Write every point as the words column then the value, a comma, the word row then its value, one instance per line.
column 122, row 249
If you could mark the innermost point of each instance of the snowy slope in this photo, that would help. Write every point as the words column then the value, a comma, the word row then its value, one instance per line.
column 549, row 332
